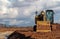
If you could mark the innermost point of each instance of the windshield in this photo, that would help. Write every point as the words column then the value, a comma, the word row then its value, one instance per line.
column 49, row 16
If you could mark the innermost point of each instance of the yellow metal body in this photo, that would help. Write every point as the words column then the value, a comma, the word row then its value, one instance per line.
column 43, row 26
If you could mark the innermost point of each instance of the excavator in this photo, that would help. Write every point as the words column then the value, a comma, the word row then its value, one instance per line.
column 44, row 21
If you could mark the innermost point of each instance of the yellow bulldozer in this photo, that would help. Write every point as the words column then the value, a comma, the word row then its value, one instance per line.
column 44, row 21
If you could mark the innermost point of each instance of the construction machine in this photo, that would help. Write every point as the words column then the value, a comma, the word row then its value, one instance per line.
column 44, row 21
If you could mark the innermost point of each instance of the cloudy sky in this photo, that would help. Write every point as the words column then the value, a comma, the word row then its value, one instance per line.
column 22, row 12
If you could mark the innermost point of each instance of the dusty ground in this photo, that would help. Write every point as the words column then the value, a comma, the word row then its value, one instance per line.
column 3, row 35
column 4, row 32
column 28, row 31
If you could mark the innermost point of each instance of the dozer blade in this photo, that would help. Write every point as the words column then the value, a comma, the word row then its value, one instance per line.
column 43, row 26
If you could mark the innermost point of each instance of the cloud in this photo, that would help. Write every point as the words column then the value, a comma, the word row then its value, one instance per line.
column 12, row 12
column 22, row 12
column 21, row 0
